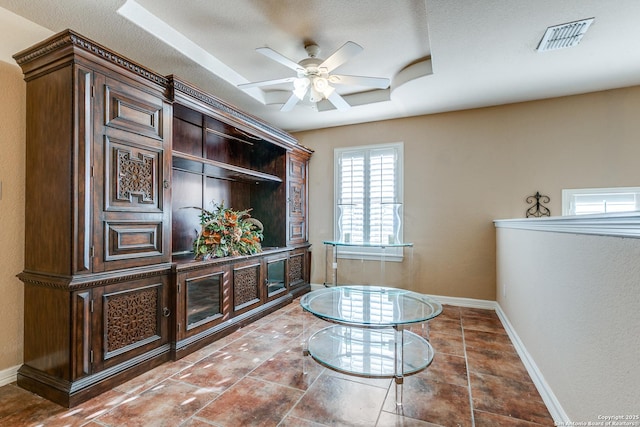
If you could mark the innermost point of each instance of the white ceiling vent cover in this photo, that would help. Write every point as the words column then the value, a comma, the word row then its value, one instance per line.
column 564, row 35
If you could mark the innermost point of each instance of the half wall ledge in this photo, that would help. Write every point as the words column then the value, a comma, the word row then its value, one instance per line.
column 623, row 224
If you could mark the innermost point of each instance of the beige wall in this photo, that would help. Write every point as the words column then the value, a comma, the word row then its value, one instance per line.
column 12, row 135
column 573, row 301
column 464, row 169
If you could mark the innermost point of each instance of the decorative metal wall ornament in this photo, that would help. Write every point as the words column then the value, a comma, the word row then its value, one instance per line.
column 538, row 209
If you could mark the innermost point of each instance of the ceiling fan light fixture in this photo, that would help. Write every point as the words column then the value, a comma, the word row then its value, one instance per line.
column 320, row 84
column 314, row 95
column 300, row 87
column 328, row 92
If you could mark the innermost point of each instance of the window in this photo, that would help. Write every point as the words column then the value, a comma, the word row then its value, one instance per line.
column 368, row 199
column 600, row 200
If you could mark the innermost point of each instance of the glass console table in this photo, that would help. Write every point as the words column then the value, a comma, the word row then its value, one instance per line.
column 370, row 336
column 336, row 245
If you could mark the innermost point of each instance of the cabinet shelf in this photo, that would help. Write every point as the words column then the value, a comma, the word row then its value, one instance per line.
column 214, row 169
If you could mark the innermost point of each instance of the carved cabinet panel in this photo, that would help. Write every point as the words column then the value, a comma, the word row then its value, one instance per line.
column 131, row 176
column 129, row 319
column 247, row 289
column 298, row 271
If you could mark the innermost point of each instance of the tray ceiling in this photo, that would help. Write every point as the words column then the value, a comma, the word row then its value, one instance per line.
column 440, row 55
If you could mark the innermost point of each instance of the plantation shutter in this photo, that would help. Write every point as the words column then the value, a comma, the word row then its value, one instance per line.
column 351, row 200
column 368, row 196
column 604, row 203
column 581, row 201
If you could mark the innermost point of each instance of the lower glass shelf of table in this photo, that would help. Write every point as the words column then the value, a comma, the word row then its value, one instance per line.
column 369, row 352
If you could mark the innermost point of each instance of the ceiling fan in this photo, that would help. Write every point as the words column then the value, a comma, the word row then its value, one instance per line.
column 314, row 78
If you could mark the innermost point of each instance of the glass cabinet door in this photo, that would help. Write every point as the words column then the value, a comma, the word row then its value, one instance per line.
column 204, row 302
column 276, row 273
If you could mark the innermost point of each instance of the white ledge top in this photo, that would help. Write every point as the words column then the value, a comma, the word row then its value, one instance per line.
column 624, row 224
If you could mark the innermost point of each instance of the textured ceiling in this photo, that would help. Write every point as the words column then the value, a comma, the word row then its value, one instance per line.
column 440, row 55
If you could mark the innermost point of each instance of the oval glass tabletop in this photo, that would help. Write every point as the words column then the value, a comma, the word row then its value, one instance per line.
column 370, row 306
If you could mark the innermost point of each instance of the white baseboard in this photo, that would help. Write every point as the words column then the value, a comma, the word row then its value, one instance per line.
column 465, row 302
column 553, row 405
column 9, row 375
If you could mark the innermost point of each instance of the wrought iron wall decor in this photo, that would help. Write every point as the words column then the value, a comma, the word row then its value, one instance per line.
column 538, row 209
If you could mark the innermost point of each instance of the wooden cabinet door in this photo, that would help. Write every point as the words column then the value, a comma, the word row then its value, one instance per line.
column 131, row 174
column 296, row 198
column 276, row 279
column 130, row 319
column 298, row 271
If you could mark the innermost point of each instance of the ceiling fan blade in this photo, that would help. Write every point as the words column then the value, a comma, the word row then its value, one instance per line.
column 375, row 82
column 338, row 101
column 266, row 83
column 340, row 56
column 291, row 102
column 272, row 54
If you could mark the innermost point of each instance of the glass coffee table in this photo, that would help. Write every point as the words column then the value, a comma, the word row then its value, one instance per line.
column 370, row 336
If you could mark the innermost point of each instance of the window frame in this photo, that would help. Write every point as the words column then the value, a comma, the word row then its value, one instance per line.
column 369, row 251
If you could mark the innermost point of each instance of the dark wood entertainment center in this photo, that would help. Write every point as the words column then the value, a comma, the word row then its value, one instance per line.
column 115, row 156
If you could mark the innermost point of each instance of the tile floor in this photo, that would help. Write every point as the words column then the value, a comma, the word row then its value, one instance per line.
column 253, row 377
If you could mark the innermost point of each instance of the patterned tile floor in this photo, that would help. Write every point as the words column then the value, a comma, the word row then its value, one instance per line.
column 253, row 377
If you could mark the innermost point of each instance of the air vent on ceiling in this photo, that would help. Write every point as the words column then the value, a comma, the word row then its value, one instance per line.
column 564, row 35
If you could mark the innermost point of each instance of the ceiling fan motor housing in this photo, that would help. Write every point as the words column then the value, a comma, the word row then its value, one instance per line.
column 313, row 50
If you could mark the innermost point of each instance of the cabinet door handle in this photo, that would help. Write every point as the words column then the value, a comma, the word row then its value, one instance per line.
column 165, row 183
column 166, row 312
